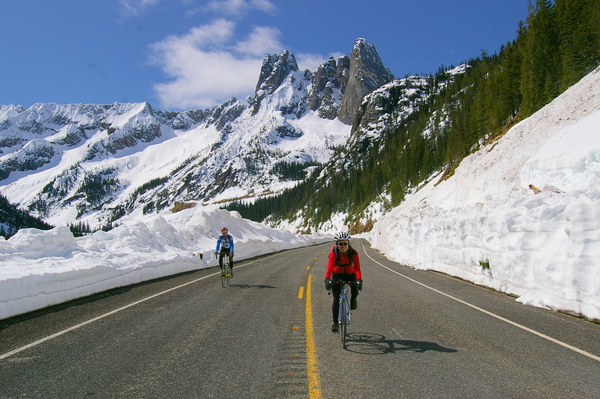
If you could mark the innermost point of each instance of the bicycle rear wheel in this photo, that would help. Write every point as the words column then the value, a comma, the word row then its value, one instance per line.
column 224, row 263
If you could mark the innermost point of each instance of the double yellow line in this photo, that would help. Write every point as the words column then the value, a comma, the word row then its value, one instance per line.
column 314, row 387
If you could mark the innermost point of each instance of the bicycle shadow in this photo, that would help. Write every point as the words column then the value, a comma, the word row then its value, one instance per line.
column 377, row 344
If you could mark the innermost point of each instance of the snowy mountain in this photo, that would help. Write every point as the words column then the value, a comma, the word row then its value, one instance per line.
column 97, row 163
column 396, row 129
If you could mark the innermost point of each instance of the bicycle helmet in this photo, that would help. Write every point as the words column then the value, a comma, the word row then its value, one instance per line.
column 224, row 230
column 342, row 235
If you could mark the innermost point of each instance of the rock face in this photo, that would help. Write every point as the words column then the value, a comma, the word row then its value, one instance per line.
column 327, row 87
column 274, row 71
column 367, row 73
column 336, row 88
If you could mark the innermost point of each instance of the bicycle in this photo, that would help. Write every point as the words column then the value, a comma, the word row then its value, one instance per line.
column 225, row 264
column 344, row 312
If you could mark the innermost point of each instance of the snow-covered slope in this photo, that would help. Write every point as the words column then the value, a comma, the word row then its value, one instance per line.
column 95, row 163
column 521, row 215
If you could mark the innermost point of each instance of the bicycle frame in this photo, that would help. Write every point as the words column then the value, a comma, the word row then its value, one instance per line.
column 344, row 312
column 225, row 265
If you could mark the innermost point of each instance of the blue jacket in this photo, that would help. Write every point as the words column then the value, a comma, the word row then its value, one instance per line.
column 220, row 240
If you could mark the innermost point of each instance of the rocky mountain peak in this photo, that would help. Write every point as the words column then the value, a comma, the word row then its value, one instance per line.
column 327, row 87
column 367, row 73
column 274, row 70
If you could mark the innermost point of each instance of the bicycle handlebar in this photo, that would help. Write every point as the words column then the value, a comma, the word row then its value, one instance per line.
column 339, row 281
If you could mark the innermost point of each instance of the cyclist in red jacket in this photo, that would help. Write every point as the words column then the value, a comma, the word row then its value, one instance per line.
column 343, row 264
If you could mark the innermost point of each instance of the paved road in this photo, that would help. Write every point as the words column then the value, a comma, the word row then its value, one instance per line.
column 416, row 334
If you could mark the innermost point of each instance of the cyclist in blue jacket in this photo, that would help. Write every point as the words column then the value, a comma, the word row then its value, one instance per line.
column 224, row 247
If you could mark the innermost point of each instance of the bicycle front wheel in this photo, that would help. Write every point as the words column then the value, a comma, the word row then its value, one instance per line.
column 227, row 273
column 343, row 321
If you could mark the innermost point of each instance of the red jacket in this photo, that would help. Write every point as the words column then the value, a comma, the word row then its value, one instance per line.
column 346, row 265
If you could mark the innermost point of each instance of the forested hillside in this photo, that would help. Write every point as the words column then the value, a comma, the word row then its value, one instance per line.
column 12, row 219
column 556, row 46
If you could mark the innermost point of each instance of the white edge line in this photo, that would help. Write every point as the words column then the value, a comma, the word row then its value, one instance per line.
column 75, row 327
column 539, row 334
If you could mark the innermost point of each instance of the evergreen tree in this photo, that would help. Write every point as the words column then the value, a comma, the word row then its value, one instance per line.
column 579, row 38
column 12, row 219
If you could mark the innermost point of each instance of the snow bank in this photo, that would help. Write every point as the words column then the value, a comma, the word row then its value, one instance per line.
column 44, row 268
column 522, row 215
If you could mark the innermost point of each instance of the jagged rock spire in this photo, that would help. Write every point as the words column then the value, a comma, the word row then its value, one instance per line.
column 367, row 73
column 274, row 70
column 327, row 79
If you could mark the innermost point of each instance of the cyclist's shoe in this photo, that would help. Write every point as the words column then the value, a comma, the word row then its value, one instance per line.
column 231, row 273
column 334, row 327
column 353, row 304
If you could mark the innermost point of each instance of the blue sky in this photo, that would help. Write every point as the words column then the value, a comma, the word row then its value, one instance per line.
column 184, row 54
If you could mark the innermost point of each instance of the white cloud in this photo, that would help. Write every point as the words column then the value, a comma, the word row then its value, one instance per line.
column 264, row 5
column 309, row 61
column 134, row 7
column 312, row 61
column 208, row 66
column 262, row 40
column 238, row 7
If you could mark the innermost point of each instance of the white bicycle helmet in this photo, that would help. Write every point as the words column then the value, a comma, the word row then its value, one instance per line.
column 342, row 235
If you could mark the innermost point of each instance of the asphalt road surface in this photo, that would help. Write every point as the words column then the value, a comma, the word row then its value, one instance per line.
column 415, row 334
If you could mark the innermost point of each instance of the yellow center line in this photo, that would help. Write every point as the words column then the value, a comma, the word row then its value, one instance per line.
column 301, row 292
column 314, row 388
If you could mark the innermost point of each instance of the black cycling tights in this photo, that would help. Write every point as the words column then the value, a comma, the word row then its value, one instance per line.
column 222, row 253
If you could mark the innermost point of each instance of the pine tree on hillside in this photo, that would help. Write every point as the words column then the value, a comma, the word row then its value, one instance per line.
column 579, row 38
column 540, row 58
column 13, row 219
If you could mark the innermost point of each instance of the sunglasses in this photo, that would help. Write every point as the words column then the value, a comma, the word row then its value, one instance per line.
column 342, row 243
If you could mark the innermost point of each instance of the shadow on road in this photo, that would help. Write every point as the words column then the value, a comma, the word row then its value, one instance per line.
column 246, row 286
column 377, row 344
